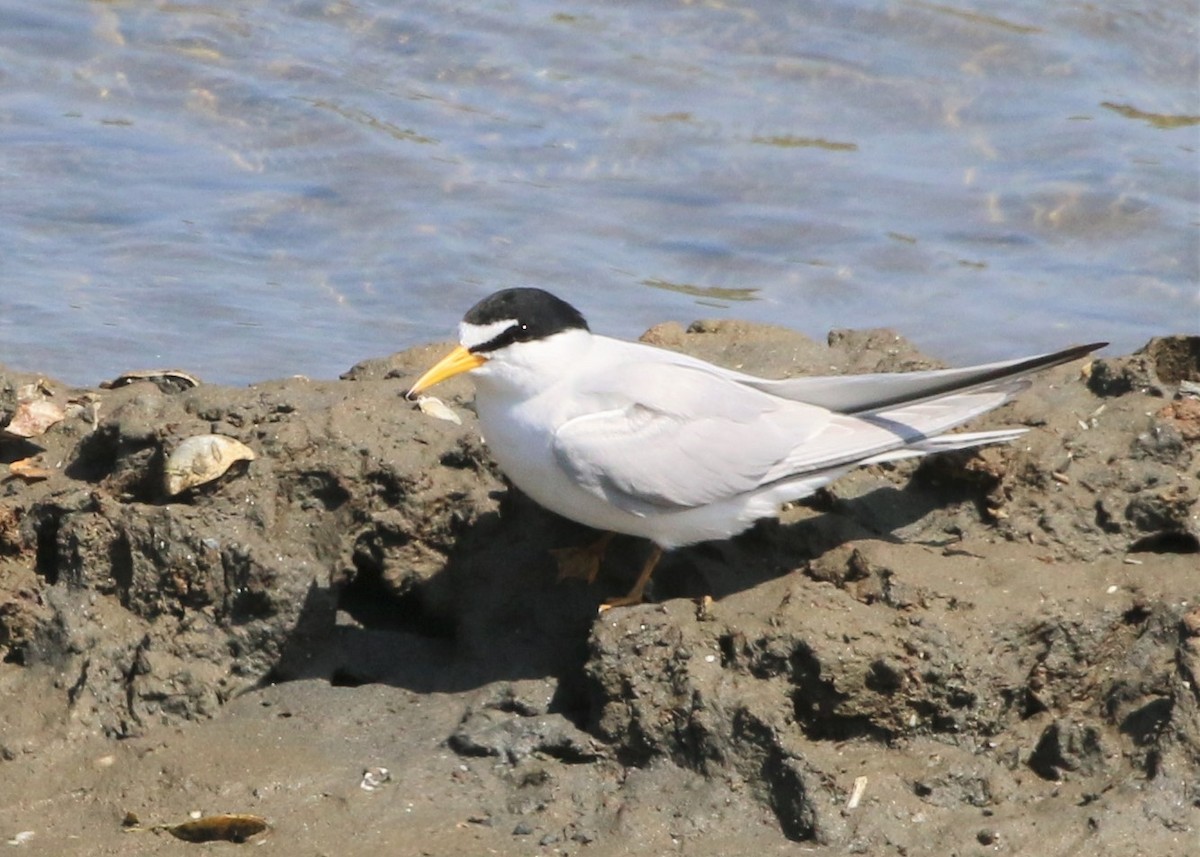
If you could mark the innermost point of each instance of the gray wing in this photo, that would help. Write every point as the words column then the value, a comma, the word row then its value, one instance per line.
column 677, row 433
column 673, row 436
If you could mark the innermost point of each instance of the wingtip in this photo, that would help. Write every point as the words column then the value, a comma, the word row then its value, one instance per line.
column 1076, row 351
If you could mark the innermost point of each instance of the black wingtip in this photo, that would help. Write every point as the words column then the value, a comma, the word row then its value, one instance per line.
column 1074, row 352
column 998, row 373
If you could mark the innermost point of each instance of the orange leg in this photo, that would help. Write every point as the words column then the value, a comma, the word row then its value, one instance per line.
column 634, row 596
column 582, row 563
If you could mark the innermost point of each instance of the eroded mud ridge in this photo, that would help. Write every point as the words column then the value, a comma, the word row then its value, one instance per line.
column 990, row 650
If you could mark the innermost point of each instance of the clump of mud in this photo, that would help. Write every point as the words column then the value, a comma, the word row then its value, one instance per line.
column 996, row 649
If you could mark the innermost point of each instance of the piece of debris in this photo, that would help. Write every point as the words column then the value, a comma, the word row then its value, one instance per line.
column 167, row 380
column 29, row 469
column 374, row 778
column 856, row 793
column 435, row 407
column 201, row 459
column 219, row 828
column 33, row 417
column 226, row 827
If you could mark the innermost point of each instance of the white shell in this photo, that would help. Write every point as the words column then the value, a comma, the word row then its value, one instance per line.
column 202, row 459
column 435, row 407
column 34, row 417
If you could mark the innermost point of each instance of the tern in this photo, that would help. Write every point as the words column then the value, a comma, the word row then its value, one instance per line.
column 628, row 438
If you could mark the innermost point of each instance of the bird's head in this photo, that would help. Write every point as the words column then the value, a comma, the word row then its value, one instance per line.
column 496, row 326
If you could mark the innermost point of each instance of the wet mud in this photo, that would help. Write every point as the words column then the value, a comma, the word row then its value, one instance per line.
column 358, row 635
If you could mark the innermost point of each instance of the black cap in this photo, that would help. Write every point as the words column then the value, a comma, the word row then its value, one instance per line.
column 531, row 314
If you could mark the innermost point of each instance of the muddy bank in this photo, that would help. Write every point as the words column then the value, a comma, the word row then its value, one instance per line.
column 988, row 651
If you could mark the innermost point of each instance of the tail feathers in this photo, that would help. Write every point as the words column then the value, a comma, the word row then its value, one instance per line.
column 947, row 443
column 966, row 440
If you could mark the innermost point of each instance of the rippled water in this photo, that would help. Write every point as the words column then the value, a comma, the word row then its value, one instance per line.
column 289, row 187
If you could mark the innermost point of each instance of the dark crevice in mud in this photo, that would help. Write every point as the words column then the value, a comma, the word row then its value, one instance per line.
column 727, row 643
column 46, row 523
column 1031, row 705
column 373, row 604
column 121, row 559
column 1066, row 746
column 1136, row 615
column 1176, row 358
column 389, row 487
column 247, row 599
column 14, row 449
column 883, row 677
column 1167, row 543
column 1146, row 725
column 1104, row 519
column 347, row 678
column 319, row 487
column 816, row 703
column 96, row 455
column 466, row 455
column 130, row 467
column 571, row 697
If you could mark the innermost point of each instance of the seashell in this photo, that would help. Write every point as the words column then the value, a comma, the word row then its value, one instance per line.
column 435, row 407
column 167, row 380
column 218, row 828
column 202, row 459
column 374, row 778
column 33, row 417
column 29, row 469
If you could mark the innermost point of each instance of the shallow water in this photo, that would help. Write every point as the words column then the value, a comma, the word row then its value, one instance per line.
column 295, row 186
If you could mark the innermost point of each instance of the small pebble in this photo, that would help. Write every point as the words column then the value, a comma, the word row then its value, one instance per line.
column 522, row 829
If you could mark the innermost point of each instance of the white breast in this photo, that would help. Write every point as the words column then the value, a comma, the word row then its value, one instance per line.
column 525, row 394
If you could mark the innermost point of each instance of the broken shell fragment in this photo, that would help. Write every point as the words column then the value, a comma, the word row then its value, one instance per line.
column 33, row 417
column 374, row 778
column 29, row 469
column 167, row 380
column 219, row 828
column 435, row 407
column 202, row 459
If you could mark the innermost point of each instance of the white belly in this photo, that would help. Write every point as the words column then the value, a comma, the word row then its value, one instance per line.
column 520, row 437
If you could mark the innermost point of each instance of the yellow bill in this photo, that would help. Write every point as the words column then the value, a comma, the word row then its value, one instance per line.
column 456, row 362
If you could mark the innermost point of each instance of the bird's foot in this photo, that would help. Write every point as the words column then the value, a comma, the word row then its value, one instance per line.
column 635, row 595
column 620, row 601
column 581, row 563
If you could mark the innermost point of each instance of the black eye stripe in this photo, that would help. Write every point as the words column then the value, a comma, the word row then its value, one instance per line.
column 516, row 333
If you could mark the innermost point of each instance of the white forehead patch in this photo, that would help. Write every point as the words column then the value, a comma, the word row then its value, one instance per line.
column 473, row 335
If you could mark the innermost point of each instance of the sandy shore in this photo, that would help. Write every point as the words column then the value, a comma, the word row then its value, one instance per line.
column 993, row 652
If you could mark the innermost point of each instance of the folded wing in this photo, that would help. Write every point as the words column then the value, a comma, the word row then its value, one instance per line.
column 691, row 436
